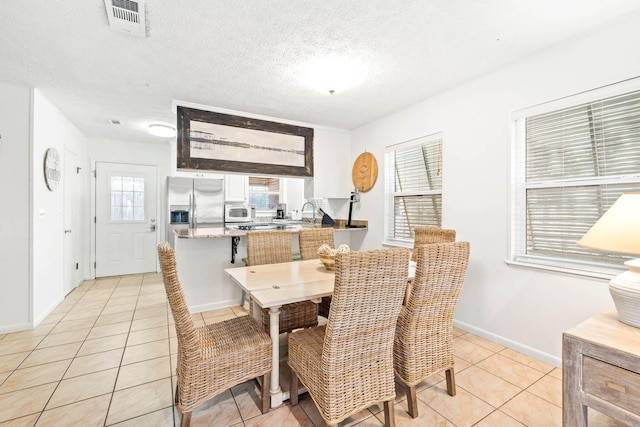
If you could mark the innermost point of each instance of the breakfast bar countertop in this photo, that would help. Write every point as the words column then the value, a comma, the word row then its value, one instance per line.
column 203, row 254
column 231, row 231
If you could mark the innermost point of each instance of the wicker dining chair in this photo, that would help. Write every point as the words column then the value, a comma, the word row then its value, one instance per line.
column 347, row 364
column 272, row 247
column 215, row 357
column 424, row 342
column 310, row 239
column 427, row 235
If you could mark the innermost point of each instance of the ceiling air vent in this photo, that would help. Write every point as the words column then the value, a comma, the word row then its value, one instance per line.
column 127, row 15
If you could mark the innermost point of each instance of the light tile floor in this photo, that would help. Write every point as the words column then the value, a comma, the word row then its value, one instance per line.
column 105, row 356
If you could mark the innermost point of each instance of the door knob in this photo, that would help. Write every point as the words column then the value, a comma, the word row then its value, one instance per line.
column 67, row 231
column 152, row 227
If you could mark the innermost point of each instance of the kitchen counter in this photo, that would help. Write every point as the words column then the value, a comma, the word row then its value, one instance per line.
column 202, row 255
column 229, row 231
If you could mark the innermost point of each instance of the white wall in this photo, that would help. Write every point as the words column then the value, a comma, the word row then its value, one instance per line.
column 294, row 193
column 32, row 228
column 525, row 309
column 15, row 215
column 51, row 129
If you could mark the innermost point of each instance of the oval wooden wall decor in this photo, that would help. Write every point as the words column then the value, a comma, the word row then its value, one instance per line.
column 364, row 172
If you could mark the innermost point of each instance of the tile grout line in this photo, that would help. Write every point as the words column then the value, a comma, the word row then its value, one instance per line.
column 77, row 351
column 31, row 352
column 115, row 382
column 141, row 297
column 468, row 391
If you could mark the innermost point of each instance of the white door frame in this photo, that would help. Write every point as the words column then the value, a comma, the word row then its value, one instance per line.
column 72, row 223
column 159, row 203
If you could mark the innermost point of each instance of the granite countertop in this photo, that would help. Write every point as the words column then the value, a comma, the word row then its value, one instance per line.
column 228, row 231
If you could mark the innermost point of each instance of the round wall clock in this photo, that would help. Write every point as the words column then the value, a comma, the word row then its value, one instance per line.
column 52, row 168
column 364, row 172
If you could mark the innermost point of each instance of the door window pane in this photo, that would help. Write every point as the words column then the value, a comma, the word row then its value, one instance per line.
column 127, row 199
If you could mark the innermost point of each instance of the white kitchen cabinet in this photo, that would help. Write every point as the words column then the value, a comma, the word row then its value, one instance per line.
column 235, row 188
column 331, row 166
column 193, row 174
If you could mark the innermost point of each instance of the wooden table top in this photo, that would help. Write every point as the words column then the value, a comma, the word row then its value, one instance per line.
column 253, row 278
column 283, row 283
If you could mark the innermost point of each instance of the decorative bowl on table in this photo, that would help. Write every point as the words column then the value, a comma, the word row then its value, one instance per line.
column 328, row 255
column 329, row 261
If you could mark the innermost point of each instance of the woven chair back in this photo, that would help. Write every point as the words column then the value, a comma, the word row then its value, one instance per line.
column 358, row 343
column 188, row 340
column 269, row 247
column 310, row 239
column 426, row 236
column 424, row 338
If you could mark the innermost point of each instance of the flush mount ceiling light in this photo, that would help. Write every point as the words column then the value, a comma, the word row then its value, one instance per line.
column 333, row 73
column 162, row 130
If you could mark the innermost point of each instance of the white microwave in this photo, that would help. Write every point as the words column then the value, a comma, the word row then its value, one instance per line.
column 239, row 213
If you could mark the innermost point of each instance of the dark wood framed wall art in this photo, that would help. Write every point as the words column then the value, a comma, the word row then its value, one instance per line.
column 222, row 142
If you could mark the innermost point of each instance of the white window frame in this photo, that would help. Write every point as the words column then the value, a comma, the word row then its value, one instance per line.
column 517, row 242
column 281, row 193
column 390, row 193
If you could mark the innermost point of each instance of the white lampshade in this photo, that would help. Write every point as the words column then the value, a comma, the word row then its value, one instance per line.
column 162, row 130
column 618, row 230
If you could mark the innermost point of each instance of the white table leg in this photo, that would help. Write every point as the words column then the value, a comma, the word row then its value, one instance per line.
column 257, row 311
column 274, row 329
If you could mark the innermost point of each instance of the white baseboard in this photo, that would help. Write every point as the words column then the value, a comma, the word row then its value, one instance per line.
column 214, row 306
column 6, row 329
column 15, row 328
column 513, row 345
column 47, row 312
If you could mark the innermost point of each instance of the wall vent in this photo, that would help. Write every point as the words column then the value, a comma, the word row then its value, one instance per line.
column 127, row 15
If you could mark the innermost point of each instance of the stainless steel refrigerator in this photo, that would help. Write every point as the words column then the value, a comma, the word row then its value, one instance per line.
column 201, row 198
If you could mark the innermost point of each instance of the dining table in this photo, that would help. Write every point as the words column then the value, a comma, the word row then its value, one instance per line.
column 273, row 285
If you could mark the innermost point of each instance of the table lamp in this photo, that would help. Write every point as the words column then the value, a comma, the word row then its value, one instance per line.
column 618, row 230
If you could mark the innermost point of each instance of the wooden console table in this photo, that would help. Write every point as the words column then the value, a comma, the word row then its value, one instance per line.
column 601, row 370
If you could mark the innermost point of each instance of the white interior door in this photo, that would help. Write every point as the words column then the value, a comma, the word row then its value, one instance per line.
column 72, row 224
column 126, row 212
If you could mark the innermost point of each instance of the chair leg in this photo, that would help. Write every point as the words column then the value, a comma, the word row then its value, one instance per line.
column 177, row 396
column 293, row 389
column 451, row 382
column 412, row 401
column 266, row 396
column 389, row 414
column 186, row 419
column 243, row 298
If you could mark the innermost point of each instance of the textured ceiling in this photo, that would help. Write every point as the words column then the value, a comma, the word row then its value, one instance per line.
column 253, row 56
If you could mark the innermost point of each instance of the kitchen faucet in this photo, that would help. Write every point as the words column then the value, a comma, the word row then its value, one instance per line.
column 314, row 210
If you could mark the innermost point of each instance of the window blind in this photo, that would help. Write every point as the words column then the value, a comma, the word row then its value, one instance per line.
column 413, row 187
column 574, row 164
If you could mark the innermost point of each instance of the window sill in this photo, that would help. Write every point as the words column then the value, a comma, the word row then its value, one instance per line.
column 396, row 244
column 604, row 275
